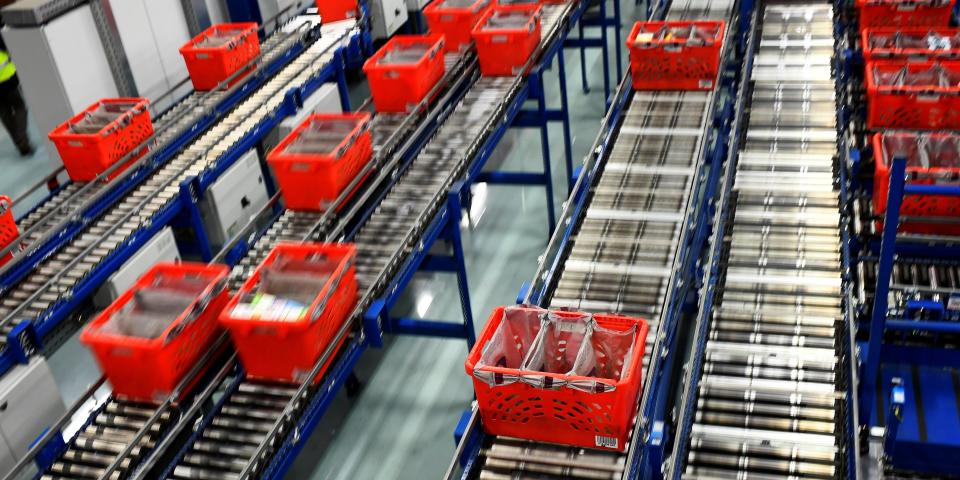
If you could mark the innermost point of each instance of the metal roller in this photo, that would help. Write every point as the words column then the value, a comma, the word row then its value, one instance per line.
column 769, row 401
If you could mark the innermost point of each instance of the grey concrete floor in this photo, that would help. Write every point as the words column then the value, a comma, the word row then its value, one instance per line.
column 401, row 424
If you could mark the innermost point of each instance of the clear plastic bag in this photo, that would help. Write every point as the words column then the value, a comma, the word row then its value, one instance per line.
column 555, row 349
column 149, row 312
column 94, row 120
column 603, row 356
column 322, row 136
column 510, row 344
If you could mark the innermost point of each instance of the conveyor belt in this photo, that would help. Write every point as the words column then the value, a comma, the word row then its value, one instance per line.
column 623, row 251
column 54, row 278
column 769, row 403
column 246, row 415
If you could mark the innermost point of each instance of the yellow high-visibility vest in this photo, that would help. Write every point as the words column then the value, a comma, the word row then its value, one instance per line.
column 7, row 68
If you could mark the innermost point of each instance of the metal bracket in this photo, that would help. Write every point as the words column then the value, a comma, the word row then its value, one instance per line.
column 112, row 45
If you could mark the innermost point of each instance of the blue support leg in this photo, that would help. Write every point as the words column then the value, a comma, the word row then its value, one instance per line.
column 373, row 323
column 453, row 234
column 545, row 140
column 565, row 114
column 871, row 370
column 616, row 41
column 606, row 54
column 342, row 84
column 655, row 450
column 583, row 61
column 190, row 192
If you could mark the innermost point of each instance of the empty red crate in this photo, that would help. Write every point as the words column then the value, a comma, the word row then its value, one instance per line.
column 290, row 309
column 8, row 227
column 335, row 10
column 905, row 94
column 318, row 160
column 404, row 70
column 147, row 340
column 506, row 37
column 220, row 51
column 932, row 158
column 96, row 138
column 914, row 43
column 925, row 13
column 455, row 19
column 675, row 55
column 560, row 377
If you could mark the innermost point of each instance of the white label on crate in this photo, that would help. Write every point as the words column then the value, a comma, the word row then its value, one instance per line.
column 606, row 442
column 706, row 83
column 953, row 303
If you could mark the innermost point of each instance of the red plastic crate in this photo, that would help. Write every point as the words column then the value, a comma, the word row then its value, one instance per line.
column 455, row 19
column 287, row 349
column 96, row 138
column 506, row 37
column 8, row 227
column 675, row 55
column 220, row 51
column 905, row 94
column 318, row 160
column 932, row 158
column 336, row 10
column 913, row 43
column 147, row 340
column 902, row 13
column 404, row 70
column 587, row 411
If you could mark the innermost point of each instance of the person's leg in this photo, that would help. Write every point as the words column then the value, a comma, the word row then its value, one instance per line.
column 19, row 133
column 6, row 113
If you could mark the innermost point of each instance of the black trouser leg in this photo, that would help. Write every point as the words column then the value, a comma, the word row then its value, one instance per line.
column 13, row 113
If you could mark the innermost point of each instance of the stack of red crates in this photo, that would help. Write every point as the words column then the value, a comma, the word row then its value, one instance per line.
column 96, row 138
column 147, row 340
column 8, row 227
column 916, row 13
column 524, row 391
column 932, row 158
column 336, row 10
column 506, row 37
column 318, row 160
column 908, row 94
column 288, row 312
column 220, row 51
column 675, row 55
column 455, row 19
column 402, row 73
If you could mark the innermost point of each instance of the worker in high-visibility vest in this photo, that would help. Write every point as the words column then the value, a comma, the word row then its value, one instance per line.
column 13, row 110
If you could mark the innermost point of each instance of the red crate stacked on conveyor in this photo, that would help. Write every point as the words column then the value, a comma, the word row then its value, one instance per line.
column 8, row 227
column 675, row 55
column 220, row 51
column 404, row 71
column 288, row 312
column 96, row 138
column 318, row 160
column 913, row 94
column 150, row 337
column 557, row 376
column 933, row 158
column 336, row 10
column 455, row 19
column 506, row 37
column 913, row 43
column 916, row 13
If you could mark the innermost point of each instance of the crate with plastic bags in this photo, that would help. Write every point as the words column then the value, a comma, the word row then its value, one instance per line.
column 557, row 376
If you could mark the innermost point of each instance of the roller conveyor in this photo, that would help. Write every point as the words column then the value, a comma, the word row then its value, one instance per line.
column 769, row 400
column 54, row 278
column 621, row 254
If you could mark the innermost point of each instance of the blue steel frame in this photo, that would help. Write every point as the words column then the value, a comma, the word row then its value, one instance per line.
column 914, row 450
column 191, row 190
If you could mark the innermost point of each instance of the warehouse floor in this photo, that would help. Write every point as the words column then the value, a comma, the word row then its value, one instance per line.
column 414, row 390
